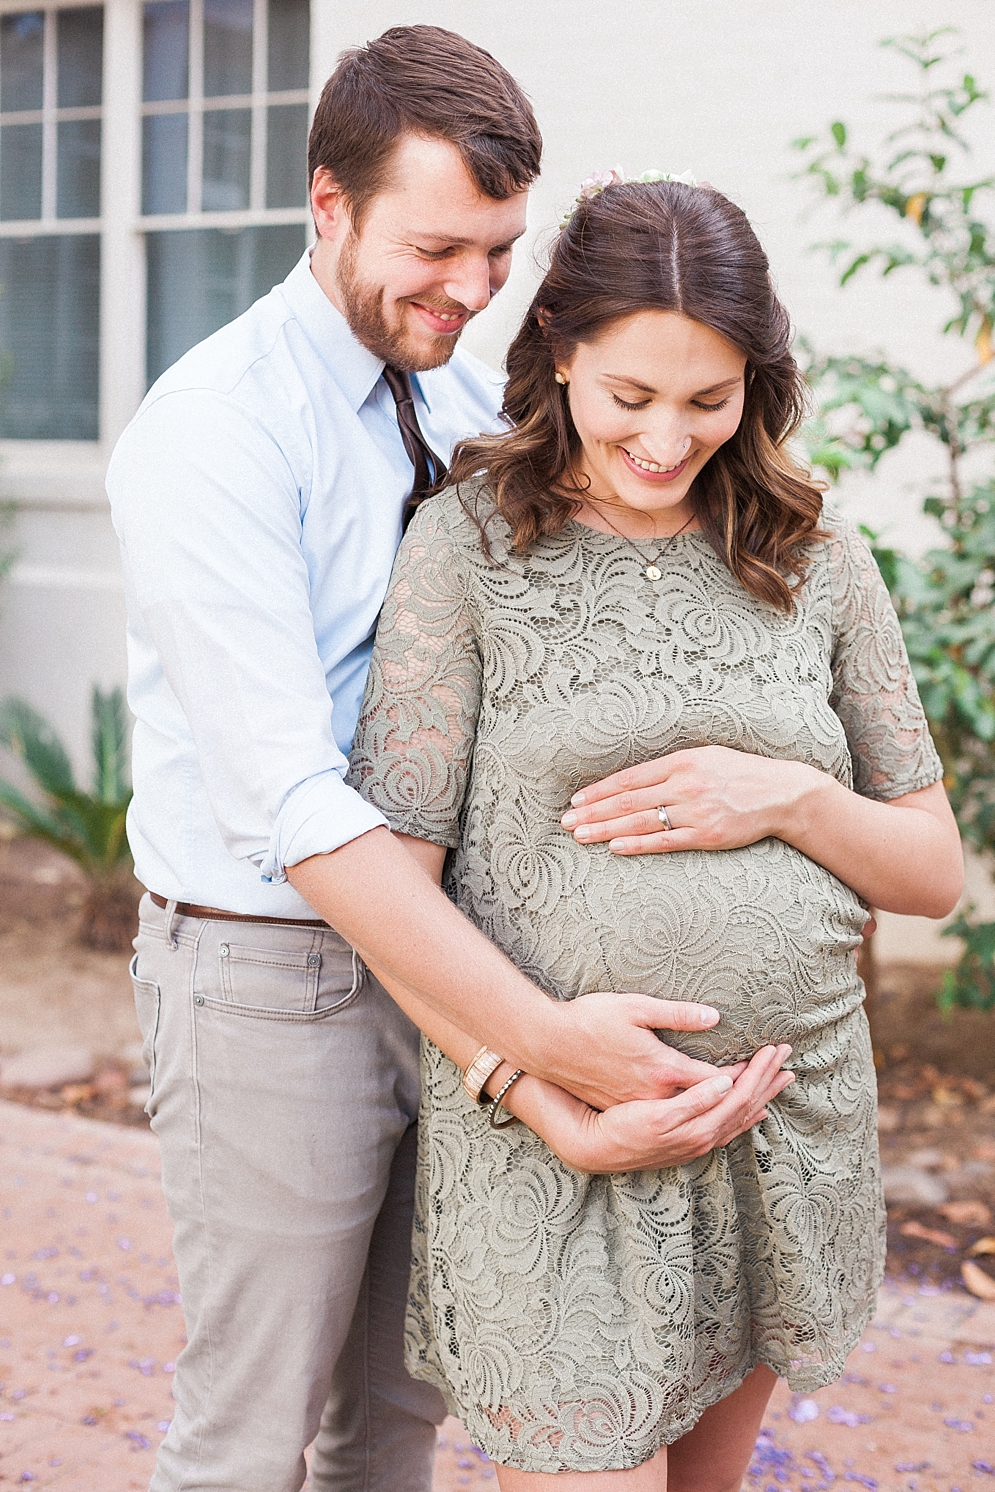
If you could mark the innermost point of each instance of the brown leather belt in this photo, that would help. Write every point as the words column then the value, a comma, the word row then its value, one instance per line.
column 215, row 914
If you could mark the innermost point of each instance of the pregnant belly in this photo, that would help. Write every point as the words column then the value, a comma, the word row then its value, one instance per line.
column 762, row 933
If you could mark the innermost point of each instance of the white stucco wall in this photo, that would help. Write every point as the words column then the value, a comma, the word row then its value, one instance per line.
column 716, row 86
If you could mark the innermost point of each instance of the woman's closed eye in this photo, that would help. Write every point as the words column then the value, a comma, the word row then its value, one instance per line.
column 698, row 403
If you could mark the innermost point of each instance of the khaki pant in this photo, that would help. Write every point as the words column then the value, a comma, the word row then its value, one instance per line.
column 284, row 1096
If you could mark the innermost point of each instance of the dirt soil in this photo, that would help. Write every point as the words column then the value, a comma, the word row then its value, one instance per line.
column 936, row 1075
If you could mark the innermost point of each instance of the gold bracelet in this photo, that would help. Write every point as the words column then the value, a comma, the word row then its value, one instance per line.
column 479, row 1070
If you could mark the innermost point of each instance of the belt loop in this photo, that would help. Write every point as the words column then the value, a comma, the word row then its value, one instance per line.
column 171, row 941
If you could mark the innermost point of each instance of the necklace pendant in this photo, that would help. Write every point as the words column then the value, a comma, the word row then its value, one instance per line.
column 653, row 572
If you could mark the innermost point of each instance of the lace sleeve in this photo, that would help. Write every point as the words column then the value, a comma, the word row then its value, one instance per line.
column 412, row 749
column 874, row 691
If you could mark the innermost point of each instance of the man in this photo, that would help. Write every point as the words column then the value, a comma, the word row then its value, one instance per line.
column 259, row 496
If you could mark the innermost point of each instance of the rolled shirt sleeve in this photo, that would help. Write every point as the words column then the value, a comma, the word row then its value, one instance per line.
column 211, row 533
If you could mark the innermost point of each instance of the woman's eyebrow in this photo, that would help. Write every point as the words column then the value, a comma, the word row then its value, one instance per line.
column 632, row 382
column 714, row 387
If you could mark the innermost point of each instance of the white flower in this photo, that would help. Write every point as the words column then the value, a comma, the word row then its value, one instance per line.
column 594, row 185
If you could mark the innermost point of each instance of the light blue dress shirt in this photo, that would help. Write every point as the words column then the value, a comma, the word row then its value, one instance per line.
column 258, row 496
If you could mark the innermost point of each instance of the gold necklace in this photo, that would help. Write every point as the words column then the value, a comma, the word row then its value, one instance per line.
column 652, row 570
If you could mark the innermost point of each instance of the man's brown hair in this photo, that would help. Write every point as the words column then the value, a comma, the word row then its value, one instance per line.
column 427, row 81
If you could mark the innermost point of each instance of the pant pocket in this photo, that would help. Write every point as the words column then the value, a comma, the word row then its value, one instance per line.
column 286, row 983
column 147, row 1007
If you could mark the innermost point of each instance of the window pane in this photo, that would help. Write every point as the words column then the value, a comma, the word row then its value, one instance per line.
column 49, row 318
column 286, row 156
column 21, row 39
column 164, row 163
column 20, row 171
column 167, row 45
column 202, row 278
column 81, row 56
column 289, row 44
column 78, row 189
column 227, row 47
column 227, row 147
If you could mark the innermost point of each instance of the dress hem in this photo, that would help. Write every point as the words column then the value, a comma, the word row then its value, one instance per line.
column 806, row 1380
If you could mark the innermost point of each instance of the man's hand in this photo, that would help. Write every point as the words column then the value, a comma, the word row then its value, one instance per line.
column 451, row 980
column 648, row 1134
column 716, row 799
column 600, row 1051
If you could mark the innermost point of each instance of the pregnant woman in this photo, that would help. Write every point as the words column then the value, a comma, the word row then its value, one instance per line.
column 637, row 578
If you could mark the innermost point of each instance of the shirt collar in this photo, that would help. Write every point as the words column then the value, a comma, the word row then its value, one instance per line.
column 354, row 368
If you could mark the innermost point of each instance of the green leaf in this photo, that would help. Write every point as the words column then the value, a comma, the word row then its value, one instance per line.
column 839, row 133
column 89, row 827
column 110, row 747
column 29, row 736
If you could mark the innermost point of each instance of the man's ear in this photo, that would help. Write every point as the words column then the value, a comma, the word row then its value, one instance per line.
column 328, row 204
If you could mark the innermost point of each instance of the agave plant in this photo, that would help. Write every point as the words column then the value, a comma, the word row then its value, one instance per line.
column 89, row 827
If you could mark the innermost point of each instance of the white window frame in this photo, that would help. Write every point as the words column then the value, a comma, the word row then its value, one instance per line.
column 27, row 467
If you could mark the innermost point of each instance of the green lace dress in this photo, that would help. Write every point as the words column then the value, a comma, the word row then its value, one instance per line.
column 579, row 1322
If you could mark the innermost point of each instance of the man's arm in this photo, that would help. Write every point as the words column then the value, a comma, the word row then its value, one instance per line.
column 601, row 1048
column 206, row 502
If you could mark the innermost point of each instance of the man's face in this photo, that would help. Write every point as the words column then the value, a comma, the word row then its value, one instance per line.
column 430, row 253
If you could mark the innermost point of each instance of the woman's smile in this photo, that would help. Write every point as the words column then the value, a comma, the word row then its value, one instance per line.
column 651, row 470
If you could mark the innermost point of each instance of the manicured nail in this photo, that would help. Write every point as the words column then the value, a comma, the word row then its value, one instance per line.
column 721, row 1085
column 709, row 1015
column 568, row 820
column 578, row 800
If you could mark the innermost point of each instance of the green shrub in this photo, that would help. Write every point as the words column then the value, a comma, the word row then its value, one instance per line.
column 866, row 406
column 89, row 827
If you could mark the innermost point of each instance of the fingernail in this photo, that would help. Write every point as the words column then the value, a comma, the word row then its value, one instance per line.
column 709, row 1015
column 578, row 800
column 583, row 831
column 568, row 820
column 721, row 1085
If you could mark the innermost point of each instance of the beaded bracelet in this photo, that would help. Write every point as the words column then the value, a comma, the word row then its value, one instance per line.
column 496, row 1102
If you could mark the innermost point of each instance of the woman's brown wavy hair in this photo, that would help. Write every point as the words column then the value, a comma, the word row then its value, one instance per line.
column 659, row 247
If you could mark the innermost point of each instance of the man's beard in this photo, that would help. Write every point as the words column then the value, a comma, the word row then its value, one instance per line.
column 363, row 308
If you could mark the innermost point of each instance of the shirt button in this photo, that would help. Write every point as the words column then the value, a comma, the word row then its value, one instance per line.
column 198, row 999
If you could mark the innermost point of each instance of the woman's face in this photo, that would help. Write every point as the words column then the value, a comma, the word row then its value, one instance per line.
column 652, row 399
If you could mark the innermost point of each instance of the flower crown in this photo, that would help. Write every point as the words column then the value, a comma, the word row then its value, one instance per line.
column 593, row 185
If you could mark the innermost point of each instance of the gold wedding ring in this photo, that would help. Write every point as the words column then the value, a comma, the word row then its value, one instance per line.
column 664, row 818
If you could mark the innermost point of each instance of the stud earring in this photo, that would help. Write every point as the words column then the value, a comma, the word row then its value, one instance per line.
column 559, row 378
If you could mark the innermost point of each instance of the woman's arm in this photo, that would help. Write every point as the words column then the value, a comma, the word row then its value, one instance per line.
column 892, row 840
column 900, row 856
column 641, row 1135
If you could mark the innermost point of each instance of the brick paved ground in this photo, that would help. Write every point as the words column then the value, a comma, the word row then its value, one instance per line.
column 91, row 1323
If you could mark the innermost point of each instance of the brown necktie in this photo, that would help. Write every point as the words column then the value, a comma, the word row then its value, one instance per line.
column 429, row 468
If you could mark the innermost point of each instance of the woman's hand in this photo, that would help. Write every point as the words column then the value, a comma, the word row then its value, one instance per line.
column 647, row 1134
column 901, row 855
column 715, row 798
